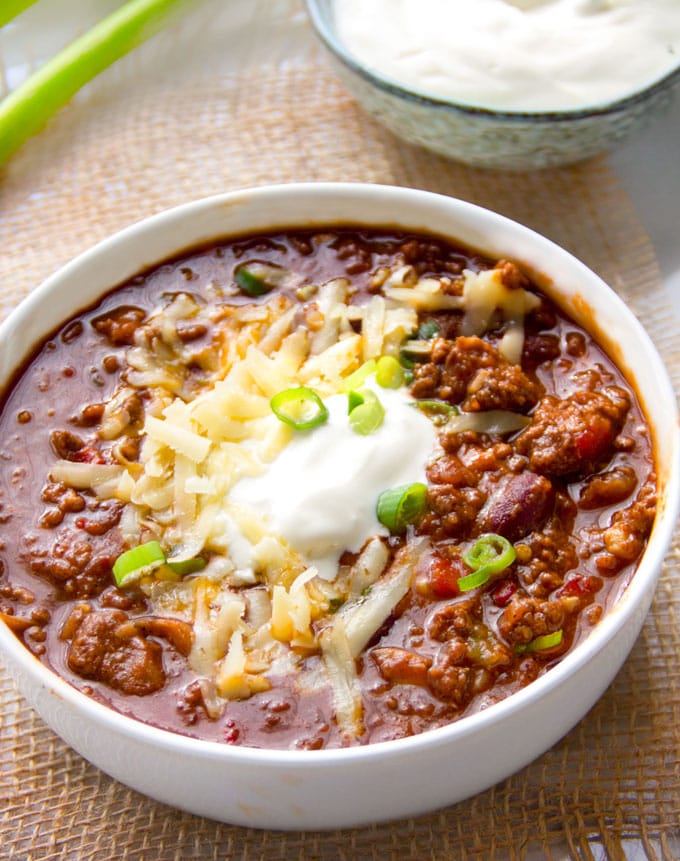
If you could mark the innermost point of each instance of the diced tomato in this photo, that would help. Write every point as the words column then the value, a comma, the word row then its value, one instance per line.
column 231, row 732
column 580, row 586
column 443, row 575
column 87, row 454
column 503, row 592
column 593, row 441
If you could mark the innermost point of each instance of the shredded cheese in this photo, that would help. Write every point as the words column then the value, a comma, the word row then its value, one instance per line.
column 201, row 439
column 484, row 295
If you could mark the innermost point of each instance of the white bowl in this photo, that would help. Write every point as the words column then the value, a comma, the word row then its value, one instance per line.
column 351, row 787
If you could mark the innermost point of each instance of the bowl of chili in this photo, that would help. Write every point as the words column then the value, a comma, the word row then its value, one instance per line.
column 317, row 486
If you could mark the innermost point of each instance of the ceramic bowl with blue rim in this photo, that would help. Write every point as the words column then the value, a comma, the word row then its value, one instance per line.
column 489, row 138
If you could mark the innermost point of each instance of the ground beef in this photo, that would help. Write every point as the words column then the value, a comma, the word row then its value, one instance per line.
column 101, row 517
column 65, row 443
column 77, row 564
column 511, row 275
column 401, row 666
column 119, row 326
column 526, row 618
column 449, row 469
column 458, row 618
column 625, row 538
column 449, row 677
column 505, row 387
column 571, row 436
column 607, row 488
column 108, row 648
column 550, row 551
column 471, row 372
column 451, row 511
column 190, row 704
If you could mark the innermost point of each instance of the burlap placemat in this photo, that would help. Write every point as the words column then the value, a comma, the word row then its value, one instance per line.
column 611, row 788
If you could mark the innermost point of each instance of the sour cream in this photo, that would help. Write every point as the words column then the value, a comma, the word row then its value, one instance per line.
column 320, row 493
column 515, row 55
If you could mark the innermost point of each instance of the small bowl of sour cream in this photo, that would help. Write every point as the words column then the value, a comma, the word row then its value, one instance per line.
column 508, row 84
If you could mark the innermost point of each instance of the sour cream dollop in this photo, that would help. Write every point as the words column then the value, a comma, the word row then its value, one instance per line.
column 320, row 492
column 516, row 55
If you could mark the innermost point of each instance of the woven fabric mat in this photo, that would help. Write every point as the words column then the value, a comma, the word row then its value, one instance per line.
column 611, row 788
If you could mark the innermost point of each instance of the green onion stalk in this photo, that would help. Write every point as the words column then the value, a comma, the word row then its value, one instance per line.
column 27, row 109
column 11, row 8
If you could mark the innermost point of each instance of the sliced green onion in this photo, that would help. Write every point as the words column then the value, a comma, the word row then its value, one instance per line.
column 335, row 604
column 28, row 108
column 257, row 278
column 416, row 350
column 489, row 555
column 435, row 406
column 137, row 562
column 490, row 551
column 354, row 400
column 474, row 580
column 301, row 408
column 439, row 411
column 427, row 330
column 187, row 566
column 540, row 644
column 389, row 373
column 400, row 506
column 357, row 378
column 12, row 8
column 250, row 283
column 367, row 414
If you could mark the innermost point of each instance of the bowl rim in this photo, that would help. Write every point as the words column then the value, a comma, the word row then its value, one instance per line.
column 637, row 593
column 392, row 87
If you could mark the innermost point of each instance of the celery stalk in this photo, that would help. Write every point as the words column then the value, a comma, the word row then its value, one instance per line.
column 28, row 108
column 11, row 8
